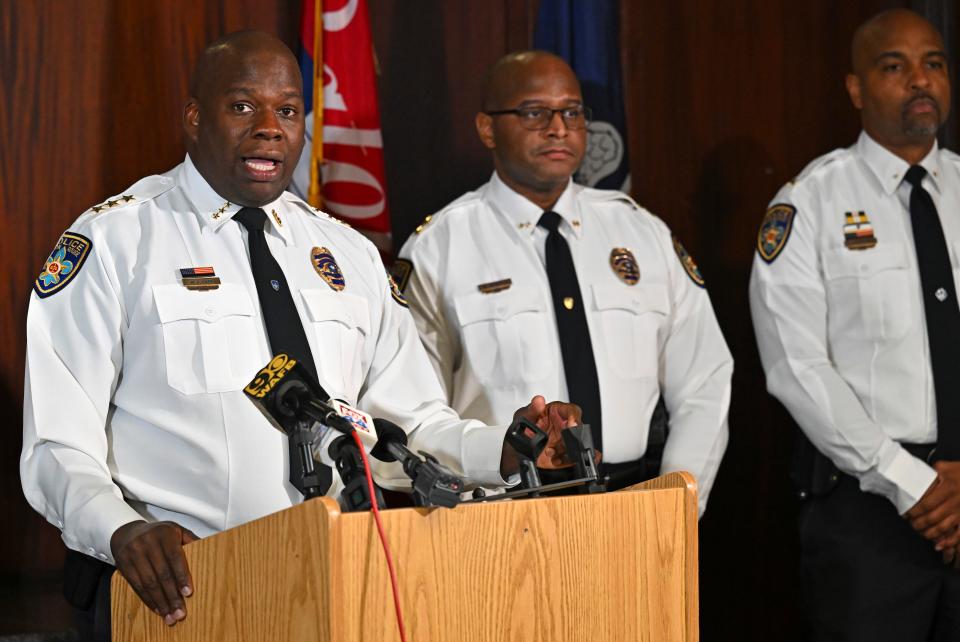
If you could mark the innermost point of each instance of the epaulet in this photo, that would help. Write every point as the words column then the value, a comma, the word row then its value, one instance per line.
column 316, row 211
column 142, row 191
column 464, row 199
column 820, row 163
column 609, row 195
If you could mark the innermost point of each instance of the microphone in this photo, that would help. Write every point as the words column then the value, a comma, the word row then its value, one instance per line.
column 432, row 483
column 288, row 395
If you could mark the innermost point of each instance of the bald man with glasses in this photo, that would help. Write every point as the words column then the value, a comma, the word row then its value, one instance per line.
column 533, row 282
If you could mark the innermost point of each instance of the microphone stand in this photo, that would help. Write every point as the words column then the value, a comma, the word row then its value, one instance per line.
column 355, row 495
column 303, row 472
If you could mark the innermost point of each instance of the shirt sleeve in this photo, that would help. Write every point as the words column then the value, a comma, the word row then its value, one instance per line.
column 789, row 308
column 427, row 307
column 402, row 386
column 73, row 359
column 695, row 379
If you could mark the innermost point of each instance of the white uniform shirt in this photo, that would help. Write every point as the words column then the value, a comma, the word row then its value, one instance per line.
column 495, row 350
column 134, row 405
column 841, row 331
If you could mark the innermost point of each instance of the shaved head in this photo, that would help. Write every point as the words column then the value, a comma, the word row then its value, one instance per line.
column 508, row 73
column 869, row 38
column 230, row 50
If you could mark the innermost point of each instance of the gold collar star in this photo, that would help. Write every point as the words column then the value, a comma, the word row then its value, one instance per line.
column 221, row 211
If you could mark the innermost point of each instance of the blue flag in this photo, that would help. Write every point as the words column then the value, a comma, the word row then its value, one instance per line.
column 585, row 33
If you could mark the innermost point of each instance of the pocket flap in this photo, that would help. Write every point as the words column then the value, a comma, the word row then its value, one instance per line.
column 477, row 306
column 841, row 262
column 175, row 302
column 327, row 305
column 638, row 299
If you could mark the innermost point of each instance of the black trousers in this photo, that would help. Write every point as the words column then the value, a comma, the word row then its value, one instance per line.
column 867, row 575
column 86, row 586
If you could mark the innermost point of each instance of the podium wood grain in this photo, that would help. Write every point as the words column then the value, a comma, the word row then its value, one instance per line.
column 620, row 566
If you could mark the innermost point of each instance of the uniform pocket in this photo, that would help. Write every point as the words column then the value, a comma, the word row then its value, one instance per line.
column 867, row 292
column 629, row 319
column 504, row 335
column 209, row 337
column 340, row 324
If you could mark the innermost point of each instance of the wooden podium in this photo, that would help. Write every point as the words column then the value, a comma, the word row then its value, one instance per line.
column 617, row 566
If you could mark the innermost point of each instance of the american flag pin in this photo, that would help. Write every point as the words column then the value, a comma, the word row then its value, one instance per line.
column 199, row 278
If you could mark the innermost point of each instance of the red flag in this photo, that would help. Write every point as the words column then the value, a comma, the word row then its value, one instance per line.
column 350, row 149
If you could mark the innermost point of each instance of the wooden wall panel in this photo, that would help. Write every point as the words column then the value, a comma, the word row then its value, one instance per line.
column 727, row 100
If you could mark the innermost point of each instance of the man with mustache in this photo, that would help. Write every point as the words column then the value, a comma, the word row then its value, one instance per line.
column 159, row 305
column 533, row 282
column 854, row 303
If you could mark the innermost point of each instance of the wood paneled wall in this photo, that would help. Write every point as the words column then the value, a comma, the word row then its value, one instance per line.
column 727, row 100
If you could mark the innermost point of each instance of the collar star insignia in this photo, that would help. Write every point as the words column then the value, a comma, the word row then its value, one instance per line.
column 98, row 208
column 221, row 211
column 126, row 198
column 276, row 217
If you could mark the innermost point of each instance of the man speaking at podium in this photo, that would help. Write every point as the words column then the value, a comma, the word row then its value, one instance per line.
column 157, row 306
column 533, row 282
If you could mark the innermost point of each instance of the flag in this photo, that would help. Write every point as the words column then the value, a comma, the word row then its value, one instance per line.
column 586, row 33
column 341, row 169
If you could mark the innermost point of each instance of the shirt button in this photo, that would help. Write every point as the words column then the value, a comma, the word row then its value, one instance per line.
column 102, row 556
column 91, row 551
column 210, row 312
column 863, row 268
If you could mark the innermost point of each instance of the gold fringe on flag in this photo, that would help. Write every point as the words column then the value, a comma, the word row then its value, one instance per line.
column 315, row 191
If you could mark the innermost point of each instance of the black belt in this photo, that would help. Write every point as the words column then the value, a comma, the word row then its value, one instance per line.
column 617, row 476
column 921, row 451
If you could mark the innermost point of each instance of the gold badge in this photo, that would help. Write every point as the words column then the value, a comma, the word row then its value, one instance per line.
column 326, row 266
column 624, row 265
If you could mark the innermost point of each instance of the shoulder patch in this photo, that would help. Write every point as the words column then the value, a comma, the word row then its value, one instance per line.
column 775, row 231
column 395, row 291
column 689, row 265
column 401, row 271
column 63, row 264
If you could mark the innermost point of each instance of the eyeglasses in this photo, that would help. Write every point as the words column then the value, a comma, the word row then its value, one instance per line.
column 541, row 117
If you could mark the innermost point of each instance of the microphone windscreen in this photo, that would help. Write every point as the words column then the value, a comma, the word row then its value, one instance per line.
column 387, row 431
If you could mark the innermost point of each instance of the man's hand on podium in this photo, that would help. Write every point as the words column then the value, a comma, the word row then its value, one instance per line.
column 551, row 418
column 150, row 557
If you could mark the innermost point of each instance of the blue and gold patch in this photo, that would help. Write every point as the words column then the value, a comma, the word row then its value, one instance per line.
column 326, row 266
column 775, row 231
column 401, row 271
column 64, row 263
column 395, row 291
column 624, row 265
column 689, row 265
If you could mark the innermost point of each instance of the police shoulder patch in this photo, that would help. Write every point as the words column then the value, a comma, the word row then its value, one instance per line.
column 401, row 271
column 395, row 291
column 775, row 231
column 689, row 265
column 63, row 264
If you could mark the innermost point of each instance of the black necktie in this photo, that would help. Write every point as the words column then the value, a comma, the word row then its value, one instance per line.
column 575, row 345
column 284, row 328
column 941, row 311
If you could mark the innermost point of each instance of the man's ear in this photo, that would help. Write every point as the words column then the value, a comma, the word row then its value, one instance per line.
column 853, row 88
column 191, row 119
column 484, row 125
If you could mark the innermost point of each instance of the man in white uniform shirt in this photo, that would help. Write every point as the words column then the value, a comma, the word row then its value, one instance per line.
column 151, row 315
column 514, row 282
column 855, row 310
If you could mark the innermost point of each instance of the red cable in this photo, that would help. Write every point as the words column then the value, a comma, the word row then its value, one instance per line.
column 383, row 537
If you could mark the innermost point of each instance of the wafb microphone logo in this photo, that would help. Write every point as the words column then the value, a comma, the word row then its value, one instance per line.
column 272, row 374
